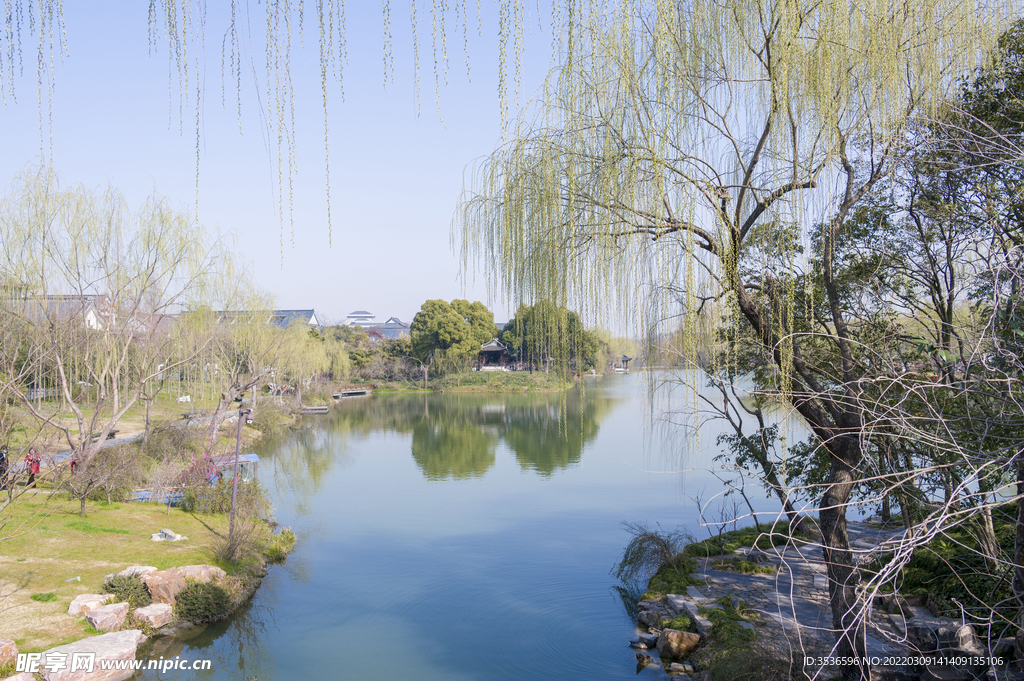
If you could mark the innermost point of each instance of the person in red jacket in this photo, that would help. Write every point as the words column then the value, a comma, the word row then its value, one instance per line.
column 32, row 463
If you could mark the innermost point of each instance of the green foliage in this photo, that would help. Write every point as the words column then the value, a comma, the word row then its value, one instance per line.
column 544, row 333
column 952, row 568
column 202, row 602
column 671, row 580
column 682, row 623
column 128, row 589
column 454, row 330
column 742, row 566
column 726, row 543
column 280, row 545
column 650, row 551
column 44, row 597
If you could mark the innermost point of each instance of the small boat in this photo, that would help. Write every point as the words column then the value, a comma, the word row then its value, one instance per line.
column 315, row 410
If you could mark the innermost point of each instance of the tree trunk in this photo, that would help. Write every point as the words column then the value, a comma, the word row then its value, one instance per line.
column 847, row 613
column 81, row 510
column 218, row 415
column 1018, row 571
column 145, row 433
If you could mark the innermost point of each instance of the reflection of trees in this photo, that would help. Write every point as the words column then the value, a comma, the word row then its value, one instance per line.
column 549, row 436
column 301, row 460
column 452, row 449
column 455, row 436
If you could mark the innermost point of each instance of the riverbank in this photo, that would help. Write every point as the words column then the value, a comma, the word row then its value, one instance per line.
column 55, row 555
column 753, row 606
column 477, row 381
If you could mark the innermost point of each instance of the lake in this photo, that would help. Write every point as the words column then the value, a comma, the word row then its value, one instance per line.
column 460, row 537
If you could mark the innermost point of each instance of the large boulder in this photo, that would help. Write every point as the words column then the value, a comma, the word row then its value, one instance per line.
column 109, row 617
column 202, row 573
column 8, row 651
column 164, row 585
column 677, row 644
column 119, row 645
column 156, row 615
column 136, row 570
column 21, row 676
column 84, row 604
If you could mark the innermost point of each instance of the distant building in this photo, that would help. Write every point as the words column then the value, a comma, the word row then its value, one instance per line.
column 282, row 319
column 92, row 311
column 391, row 329
column 494, row 356
column 360, row 318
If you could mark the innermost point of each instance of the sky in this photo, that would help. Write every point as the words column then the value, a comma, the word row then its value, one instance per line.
column 397, row 171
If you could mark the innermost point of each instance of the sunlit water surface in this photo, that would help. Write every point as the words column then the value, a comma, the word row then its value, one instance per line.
column 458, row 537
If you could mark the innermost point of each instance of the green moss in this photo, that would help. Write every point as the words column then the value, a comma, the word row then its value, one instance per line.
column 682, row 623
column 727, row 542
column 951, row 569
column 743, row 566
column 670, row 580
column 44, row 598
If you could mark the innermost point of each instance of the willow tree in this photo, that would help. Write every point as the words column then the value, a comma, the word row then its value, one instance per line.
column 91, row 291
column 677, row 164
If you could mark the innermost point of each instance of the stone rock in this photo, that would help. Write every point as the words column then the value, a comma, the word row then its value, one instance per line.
column 164, row 585
column 638, row 645
column 156, row 615
column 675, row 668
column 136, row 570
column 119, row 645
column 649, row 618
column 648, row 605
column 735, row 602
column 758, row 556
column 22, row 676
column 649, row 640
column 898, row 605
column 8, row 651
column 108, row 617
column 966, row 638
column 677, row 644
column 82, row 605
column 944, row 673
column 202, row 573
column 702, row 676
column 922, row 637
column 168, row 535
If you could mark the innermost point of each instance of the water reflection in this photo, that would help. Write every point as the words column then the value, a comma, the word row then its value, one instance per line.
column 456, row 436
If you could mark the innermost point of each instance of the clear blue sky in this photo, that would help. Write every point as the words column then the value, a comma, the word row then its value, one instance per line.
column 396, row 177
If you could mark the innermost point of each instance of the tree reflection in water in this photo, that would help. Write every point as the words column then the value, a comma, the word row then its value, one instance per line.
column 453, row 436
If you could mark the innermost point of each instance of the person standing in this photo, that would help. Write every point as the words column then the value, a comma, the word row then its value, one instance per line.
column 32, row 463
column 3, row 468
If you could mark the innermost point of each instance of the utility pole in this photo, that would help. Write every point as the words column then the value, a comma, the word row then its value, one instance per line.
column 242, row 413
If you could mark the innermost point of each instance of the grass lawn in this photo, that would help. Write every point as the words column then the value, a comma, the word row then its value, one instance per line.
column 52, row 543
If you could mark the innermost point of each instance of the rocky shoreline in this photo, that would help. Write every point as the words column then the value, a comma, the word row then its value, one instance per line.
column 151, row 622
column 786, row 608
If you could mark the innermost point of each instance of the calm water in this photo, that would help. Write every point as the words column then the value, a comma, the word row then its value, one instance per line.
column 461, row 537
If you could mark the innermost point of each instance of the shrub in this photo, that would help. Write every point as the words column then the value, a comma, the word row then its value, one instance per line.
column 280, row 546
column 128, row 589
column 201, row 602
column 44, row 598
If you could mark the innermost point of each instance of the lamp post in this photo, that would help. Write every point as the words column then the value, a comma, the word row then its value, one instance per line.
column 242, row 413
